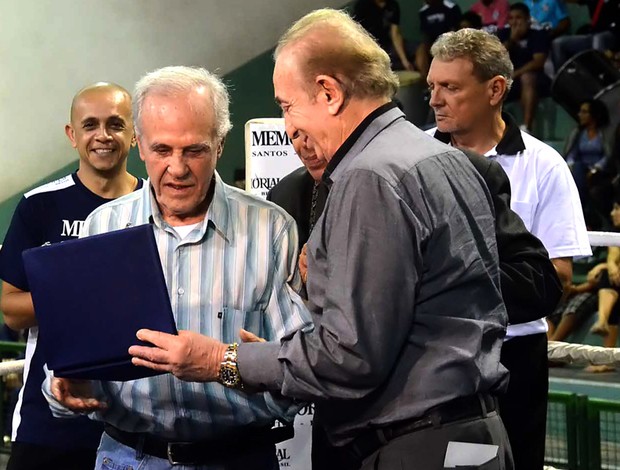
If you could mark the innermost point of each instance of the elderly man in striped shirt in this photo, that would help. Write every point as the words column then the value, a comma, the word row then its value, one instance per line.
column 229, row 263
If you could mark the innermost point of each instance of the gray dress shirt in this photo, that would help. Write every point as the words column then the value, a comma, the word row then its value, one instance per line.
column 403, row 282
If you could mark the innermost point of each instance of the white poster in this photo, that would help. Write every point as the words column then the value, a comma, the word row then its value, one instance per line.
column 269, row 156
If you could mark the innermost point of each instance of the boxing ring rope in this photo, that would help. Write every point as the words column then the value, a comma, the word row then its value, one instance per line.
column 560, row 352
column 573, row 353
column 10, row 367
column 604, row 238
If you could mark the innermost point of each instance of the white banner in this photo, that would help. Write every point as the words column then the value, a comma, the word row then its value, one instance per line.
column 269, row 156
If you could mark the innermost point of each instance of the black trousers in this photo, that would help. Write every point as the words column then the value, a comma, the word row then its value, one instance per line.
column 26, row 456
column 524, row 407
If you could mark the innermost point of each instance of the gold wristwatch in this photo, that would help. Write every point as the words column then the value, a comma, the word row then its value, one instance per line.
column 229, row 372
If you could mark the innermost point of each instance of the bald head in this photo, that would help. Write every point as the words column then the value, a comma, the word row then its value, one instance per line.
column 117, row 92
column 101, row 127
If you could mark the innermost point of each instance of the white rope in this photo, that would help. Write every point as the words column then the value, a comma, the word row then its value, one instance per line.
column 557, row 351
column 8, row 367
column 570, row 353
column 604, row 238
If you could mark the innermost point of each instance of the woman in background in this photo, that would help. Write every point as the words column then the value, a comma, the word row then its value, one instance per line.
column 589, row 153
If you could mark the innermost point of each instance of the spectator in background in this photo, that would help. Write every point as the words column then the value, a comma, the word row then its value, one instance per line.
column 601, row 33
column 494, row 13
column 436, row 17
column 239, row 178
column 550, row 15
column 528, row 49
column 609, row 288
column 579, row 303
column 470, row 19
column 588, row 152
column 605, row 184
column 381, row 18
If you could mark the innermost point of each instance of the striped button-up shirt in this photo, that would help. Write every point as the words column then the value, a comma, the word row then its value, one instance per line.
column 233, row 270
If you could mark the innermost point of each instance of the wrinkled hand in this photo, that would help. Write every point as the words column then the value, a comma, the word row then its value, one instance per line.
column 303, row 263
column 249, row 337
column 77, row 395
column 189, row 356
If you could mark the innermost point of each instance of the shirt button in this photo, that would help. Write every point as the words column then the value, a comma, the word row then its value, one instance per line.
column 181, row 291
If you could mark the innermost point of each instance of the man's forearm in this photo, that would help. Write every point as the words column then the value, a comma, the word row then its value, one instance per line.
column 399, row 46
column 564, row 268
column 17, row 307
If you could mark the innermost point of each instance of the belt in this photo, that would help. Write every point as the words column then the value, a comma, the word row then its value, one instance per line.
column 466, row 408
column 202, row 452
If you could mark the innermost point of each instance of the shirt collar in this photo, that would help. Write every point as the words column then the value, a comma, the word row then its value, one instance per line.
column 217, row 216
column 347, row 145
column 511, row 142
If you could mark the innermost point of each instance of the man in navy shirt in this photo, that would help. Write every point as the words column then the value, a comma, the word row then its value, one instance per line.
column 101, row 130
column 381, row 18
column 528, row 49
column 436, row 17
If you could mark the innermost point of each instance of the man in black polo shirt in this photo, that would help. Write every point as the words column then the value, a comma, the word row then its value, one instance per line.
column 381, row 18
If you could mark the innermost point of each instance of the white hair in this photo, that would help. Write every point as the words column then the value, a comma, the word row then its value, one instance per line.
column 179, row 80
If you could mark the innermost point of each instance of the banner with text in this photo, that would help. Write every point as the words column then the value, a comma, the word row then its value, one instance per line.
column 269, row 155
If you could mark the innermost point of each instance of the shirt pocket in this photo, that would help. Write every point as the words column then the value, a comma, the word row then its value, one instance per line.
column 525, row 210
column 233, row 320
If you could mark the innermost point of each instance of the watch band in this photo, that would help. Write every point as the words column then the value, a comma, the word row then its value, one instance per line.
column 229, row 371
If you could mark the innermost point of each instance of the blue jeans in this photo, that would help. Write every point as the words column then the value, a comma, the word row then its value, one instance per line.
column 113, row 455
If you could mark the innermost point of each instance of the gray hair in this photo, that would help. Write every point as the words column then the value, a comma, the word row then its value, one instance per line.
column 334, row 44
column 485, row 51
column 180, row 80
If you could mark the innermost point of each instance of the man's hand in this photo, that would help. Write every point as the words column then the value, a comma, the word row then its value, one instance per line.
column 303, row 263
column 249, row 337
column 77, row 395
column 189, row 356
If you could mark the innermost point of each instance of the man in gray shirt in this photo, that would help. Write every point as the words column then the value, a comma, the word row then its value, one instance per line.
column 403, row 275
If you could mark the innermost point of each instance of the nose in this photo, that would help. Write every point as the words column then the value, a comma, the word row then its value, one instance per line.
column 290, row 130
column 177, row 168
column 103, row 133
column 435, row 100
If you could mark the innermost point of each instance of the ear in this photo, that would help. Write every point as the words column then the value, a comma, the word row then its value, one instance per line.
column 140, row 152
column 71, row 134
column 330, row 93
column 497, row 90
column 220, row 148
column 133, row 140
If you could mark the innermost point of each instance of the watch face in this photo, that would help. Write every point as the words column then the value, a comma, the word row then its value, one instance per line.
column 229, row 376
